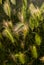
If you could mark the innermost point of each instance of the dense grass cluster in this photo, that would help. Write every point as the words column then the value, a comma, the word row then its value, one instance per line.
column 21, row 33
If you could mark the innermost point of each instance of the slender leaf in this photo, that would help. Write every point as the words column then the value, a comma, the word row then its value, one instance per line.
column 37, row 39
